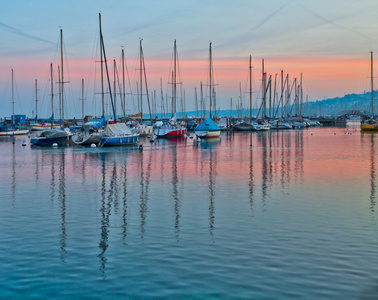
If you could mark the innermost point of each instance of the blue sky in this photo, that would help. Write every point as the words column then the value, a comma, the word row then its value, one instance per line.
column 291, row 35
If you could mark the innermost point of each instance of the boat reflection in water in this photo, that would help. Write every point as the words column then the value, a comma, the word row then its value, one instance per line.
column 191, row 210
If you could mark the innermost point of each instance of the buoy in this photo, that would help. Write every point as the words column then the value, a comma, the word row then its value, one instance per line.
column 29, row 136
column 55, row 145
column 93, row 145
column 24, row 144
column 140, row 147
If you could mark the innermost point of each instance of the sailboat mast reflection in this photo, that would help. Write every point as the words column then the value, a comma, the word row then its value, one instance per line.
column 372, row 175
column 264, row 169
column 52, row 183
column 124, row 200
column 144, row 185
column 212, row 174
column 62, row 203
column 175, row 192
column 13, row 185
column 104, row 210
column 251, row 183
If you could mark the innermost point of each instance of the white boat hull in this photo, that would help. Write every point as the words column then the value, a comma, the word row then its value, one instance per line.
column 86, row 139
column 208, row 134
column 14, row 132
column 169, row 132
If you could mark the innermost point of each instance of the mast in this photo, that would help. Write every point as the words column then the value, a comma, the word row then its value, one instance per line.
column 162, row 99
column 141, row 80
column 36, row 100
column 250, row 88
column 274, row 95
column 115, row 90
column 372, row 91
column 202, row 103
column 270, row 95
column 196, row 103
column 102, row 70
column 145, row 81
column 82, row 97
column 61, row 69
column 123, row 84
column 174, row 110
column 60, row 94
column 12, row 98
column 211, row 98
column 231, row 108
column 52, row 94
column 282, row 91
column 263, row 89
column 301, row 104
column 107, row 75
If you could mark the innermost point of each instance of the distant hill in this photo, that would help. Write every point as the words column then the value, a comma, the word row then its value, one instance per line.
column 329, row 107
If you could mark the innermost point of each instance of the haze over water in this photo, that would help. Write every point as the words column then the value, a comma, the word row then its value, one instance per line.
column 274, row 215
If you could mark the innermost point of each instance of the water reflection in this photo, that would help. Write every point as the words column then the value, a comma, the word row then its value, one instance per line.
column 251, row 183
column 13, row 184
column 175, row 192
column 124, row 202
column 372, row 174
column 212, row 174
column 105, row 212
column 210, row 145
column 143, row 198
column 62, row 204
column 264, row 169
column 52, row 180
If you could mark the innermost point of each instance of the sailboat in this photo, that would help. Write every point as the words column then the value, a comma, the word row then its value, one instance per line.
column 91, row 131
column 52, row 136
column 208, row 128
column 247, row 125
column 117, row 134
column 171, row 128
column 261, row 124
column 8, row 130
column 370, row 124
column 44, row 124
column 141, row 128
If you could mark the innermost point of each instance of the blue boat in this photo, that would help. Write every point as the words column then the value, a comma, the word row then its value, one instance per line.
column 52, row 136
column 207, row 129
column 118, row 135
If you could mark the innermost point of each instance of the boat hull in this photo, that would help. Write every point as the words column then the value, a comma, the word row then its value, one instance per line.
column 87, row 139
column 168, row 133
column 44, row 127
column 42, row 141
column 13, row 132
column 208, row 134
column 261, row 127
column 119, row 140
column 245, row 127
column 369, row 127
column 143, row 130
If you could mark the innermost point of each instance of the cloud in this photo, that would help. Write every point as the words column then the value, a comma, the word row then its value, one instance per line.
column 21, row 33
column 269, row 17
column 327, row 21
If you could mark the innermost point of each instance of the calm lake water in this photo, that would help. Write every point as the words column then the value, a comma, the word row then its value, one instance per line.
column 274, row 215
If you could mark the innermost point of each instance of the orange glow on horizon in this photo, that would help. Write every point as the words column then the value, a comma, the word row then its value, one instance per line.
column 328, row 76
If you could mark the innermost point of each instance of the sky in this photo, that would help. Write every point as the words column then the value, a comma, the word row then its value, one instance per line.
column 327, row 41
